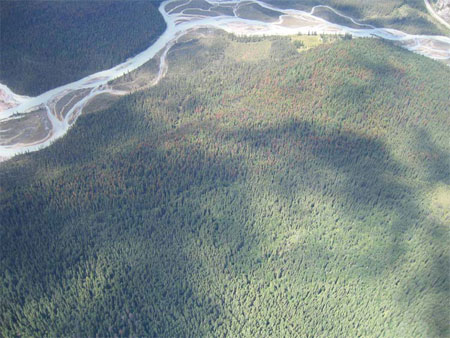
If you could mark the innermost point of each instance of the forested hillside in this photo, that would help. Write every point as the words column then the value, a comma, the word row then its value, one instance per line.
column 286, row 195
column 45, row 43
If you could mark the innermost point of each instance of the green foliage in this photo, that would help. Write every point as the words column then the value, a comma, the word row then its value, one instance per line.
column 298, row 44
column 410, row 16
column 285, row 197
column 45, row 44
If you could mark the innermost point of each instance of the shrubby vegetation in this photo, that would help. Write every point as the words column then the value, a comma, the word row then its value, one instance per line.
column 290, row 196
column 45, row 44
column 410, row 16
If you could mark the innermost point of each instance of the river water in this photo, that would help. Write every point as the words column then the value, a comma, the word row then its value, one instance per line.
column 182, row 16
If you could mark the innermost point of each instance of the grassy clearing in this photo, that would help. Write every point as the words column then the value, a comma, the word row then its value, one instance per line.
column 248, row 51
column 252, row 51
column 306, row 42
column 440, row 203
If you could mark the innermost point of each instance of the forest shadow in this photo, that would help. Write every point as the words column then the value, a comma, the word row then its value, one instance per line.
column 363, row 177
column 188, row 209
column 167, row 211
column 436, row 161
column 108, row 200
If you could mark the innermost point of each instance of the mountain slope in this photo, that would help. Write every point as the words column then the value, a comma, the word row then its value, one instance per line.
column 46, row 44
column 301, row 194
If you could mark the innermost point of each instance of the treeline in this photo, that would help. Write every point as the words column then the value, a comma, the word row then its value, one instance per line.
column 46, row 44
column 287, row 197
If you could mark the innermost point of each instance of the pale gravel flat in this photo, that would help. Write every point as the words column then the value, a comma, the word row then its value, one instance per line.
column 179, row 23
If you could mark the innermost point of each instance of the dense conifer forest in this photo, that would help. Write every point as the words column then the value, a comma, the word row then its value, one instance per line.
column 299, row 194
column 46, row 43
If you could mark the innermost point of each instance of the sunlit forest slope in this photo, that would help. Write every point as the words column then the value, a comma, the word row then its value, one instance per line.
column 286, row 194
column 46, row 43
